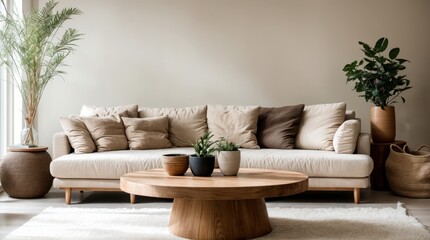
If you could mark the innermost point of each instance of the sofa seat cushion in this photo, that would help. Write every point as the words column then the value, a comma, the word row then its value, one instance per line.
column 314, row 163
column 112, row 165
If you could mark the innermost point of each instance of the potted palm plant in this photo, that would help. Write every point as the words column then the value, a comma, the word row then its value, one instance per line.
column 228, row 157
column 378, row 77
column 33, row 53
column 203, row 162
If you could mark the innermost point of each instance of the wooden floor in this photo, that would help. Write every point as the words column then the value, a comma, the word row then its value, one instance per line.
column 15, row 212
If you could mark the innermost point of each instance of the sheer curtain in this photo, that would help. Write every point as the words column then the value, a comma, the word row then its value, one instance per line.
column 11, row 121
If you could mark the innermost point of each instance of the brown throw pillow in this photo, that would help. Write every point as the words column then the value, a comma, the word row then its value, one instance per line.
column 278, row 127
column 147, row 133
column 78, row 135
column 107, row 132
column 186, row 125
column 235, row 123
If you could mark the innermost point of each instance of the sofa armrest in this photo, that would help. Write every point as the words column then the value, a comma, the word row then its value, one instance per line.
column 363, row 143
column 60, row 145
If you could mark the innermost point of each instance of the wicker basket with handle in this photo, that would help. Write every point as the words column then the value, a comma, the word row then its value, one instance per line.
column 408, row 172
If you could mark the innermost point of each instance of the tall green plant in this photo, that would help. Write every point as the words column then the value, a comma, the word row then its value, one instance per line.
column 33, row 53
column 377, row 76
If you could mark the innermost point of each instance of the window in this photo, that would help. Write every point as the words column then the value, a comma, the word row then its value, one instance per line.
column 11, row 121
column 2, row 113
column 10, row 99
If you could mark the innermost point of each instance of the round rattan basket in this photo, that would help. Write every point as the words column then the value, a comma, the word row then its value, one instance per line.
column 25, row 173
column 408, row 172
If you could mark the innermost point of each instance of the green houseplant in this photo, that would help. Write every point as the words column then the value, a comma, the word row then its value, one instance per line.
column 225, row 145
column 379, row 80
column 202, row 163
column 228, row 157
column 33, row 54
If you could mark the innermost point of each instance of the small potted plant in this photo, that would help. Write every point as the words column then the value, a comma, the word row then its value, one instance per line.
column 228, row 157
column 203, row 162
column 380, row 81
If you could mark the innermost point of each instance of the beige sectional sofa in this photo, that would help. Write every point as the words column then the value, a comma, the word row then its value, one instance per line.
column 101, row 171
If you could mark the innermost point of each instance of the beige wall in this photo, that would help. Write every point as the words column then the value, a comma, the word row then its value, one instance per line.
column 266, row 52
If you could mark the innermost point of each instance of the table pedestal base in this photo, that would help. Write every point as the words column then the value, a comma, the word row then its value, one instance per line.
column 219, row 219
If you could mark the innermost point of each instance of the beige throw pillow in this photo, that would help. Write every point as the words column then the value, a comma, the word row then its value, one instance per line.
column 147, row 133
column 78, row 135
column 235, row 123
column 107, row 132
column 345, row 138
column 318, row 126
column 96, row 111
column 186, row 125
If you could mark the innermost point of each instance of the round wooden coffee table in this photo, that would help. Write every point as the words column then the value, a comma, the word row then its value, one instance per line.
column 217, row 207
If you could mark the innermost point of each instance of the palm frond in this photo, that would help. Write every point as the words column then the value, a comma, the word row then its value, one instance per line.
column 33, row 53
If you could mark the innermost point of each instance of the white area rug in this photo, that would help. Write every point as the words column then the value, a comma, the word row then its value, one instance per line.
column 287, row 223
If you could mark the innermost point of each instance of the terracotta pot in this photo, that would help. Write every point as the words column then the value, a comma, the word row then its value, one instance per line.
column 229, row 162
column 175, row 164
column 382, row 124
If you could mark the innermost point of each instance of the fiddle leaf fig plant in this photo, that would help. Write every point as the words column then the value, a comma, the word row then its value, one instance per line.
column 377, row 76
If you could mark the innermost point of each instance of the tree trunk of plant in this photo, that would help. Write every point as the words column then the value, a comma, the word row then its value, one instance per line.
column 383, row 124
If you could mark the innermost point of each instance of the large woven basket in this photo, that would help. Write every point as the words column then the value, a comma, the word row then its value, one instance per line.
column 408, row 172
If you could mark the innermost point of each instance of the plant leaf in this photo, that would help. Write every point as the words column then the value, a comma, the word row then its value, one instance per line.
column 401, row 61
column 381, row 45
column 365, row 45
column 378, row 44
column 394, row 53
column 384, row 45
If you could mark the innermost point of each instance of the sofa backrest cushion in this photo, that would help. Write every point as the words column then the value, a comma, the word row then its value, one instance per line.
column 235, row 123
column 318, row 126
column 349, row 114
column 186, row 125
column 278, row 127
column 345, row 138
column 107, row 132
column 147, row 133
column 78, row 135
column 96, row 111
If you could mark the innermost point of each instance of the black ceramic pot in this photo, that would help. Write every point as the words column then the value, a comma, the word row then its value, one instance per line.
column 202, row 166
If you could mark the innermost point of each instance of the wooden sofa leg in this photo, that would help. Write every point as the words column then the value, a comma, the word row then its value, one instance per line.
column 68, row 194
column 356, row 195
column 132, row 198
